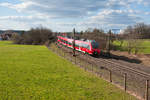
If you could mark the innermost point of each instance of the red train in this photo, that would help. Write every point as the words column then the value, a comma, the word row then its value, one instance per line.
column 86, row 46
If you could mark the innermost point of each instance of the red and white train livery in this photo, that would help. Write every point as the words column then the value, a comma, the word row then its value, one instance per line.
column 85, row 46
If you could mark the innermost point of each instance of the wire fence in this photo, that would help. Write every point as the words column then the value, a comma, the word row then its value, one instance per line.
column 132, row 83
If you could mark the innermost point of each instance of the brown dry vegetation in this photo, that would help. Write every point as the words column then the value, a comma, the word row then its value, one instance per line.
column 144, row 58
column 35, row 36
column 98, row 35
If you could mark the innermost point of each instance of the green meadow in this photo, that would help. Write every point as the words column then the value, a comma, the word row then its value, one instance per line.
column 29, row 72
column 144, row 46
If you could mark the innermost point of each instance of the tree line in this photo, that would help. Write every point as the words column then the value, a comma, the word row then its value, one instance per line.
column 132, row 34
column 35, row 36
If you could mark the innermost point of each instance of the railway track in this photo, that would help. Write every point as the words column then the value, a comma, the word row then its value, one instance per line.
column 125, row 67
column 113, row 64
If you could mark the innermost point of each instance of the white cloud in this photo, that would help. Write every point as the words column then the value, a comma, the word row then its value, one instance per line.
column 114, row 17
column 147, row 13
column 18, row 7
column 111, row 19
column 90, row 13
column 67, row 8
column 64, row 8
column 23, row 18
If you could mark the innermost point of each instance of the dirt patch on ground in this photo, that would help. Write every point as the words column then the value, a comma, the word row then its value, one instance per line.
column 144, row 58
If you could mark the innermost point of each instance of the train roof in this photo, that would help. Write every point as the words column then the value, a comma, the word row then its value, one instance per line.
column 83, row 40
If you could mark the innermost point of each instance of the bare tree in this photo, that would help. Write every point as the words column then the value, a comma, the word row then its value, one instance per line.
column 134, row 34
column 97, row 35
column 35, row 36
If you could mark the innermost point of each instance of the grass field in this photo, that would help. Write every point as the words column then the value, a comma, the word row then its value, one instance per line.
column 145, row 45
column 35, row 73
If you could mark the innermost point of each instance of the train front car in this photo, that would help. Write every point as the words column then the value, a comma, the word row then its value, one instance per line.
column 95, row 48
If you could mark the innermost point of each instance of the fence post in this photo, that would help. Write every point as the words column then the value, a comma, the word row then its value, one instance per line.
column 61, row 53
column 92, row 67
column 57, row 50
column 110, row 77
column 64, row 54
column 81, row 63
column 100, row 73
column 85, row 65
column 146, row 90
column 79, row 60
column 125, row 81
column 75, row 59
column 70, row 57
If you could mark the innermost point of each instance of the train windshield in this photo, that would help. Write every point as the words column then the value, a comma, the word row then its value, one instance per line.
column 95, row 45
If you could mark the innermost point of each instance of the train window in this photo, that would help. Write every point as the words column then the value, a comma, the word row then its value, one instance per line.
column 80, row 44
column 95, row 45
column 66, row 42
column 69, row 43
column 77, row 45
column 84, row 45
column 88, row 47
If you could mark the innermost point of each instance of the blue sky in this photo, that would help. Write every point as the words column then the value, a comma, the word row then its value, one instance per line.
column 64, row 15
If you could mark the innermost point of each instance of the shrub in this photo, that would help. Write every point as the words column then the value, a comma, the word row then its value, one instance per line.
column 16, row 38
column 35, row 36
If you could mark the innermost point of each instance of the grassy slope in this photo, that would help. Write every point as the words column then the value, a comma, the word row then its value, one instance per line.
column 35, row 73
column 145, row 44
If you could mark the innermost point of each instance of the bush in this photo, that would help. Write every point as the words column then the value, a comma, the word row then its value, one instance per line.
column 16, row 38
column 97, row 35
column 35, row 36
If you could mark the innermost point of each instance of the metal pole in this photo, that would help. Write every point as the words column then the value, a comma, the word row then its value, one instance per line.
column 125, row 81
column 75, row 60
column 110, row 76
column 109, row 42
column 74, row 42
column 92, row 67
column 146, row 91
column 85, row 65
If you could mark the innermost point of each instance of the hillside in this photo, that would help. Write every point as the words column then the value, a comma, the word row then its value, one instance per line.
column 34, row 73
